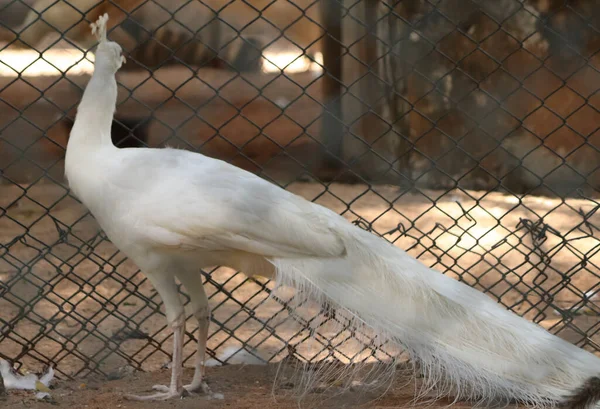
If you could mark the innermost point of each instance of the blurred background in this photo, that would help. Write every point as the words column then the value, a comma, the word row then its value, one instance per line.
column 486, row 94
column 464, row 131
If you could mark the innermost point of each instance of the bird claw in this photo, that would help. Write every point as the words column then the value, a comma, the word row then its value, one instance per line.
column 198, row 387
column 164, row 393
column 188, row 389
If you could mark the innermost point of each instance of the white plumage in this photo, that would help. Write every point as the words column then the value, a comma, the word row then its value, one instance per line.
column 174, row 211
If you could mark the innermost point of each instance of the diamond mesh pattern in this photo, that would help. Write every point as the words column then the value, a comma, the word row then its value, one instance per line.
column 465, row 132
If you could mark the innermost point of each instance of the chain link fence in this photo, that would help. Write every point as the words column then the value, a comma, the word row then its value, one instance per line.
column 463, row 131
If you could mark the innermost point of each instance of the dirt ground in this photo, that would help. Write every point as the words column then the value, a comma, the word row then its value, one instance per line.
column 243, row 387
column 70, row 299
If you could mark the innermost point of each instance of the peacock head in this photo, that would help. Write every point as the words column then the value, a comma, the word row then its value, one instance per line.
column 109, row 55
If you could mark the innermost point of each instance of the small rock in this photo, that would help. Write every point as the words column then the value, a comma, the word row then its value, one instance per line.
column 46, row 397
column 219, row 396
column 121, row 373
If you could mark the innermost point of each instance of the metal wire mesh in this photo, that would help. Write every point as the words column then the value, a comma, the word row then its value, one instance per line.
column 465, row 132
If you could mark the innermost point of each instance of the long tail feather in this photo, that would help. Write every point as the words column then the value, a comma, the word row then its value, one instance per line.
column 465, row 344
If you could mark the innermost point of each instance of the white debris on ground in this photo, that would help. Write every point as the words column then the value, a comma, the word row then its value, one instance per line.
column 218, row 396
column 13, row 380
column 233, row 355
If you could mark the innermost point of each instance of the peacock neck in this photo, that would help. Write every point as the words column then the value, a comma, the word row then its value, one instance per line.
column 95, row 112
column 90, row 143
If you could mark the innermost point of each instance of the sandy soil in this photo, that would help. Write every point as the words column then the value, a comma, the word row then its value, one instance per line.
column 243, row 387
column 69, row 298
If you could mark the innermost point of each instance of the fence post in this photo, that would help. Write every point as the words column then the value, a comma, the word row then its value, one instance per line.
column 374, row 148
column 332, row 129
